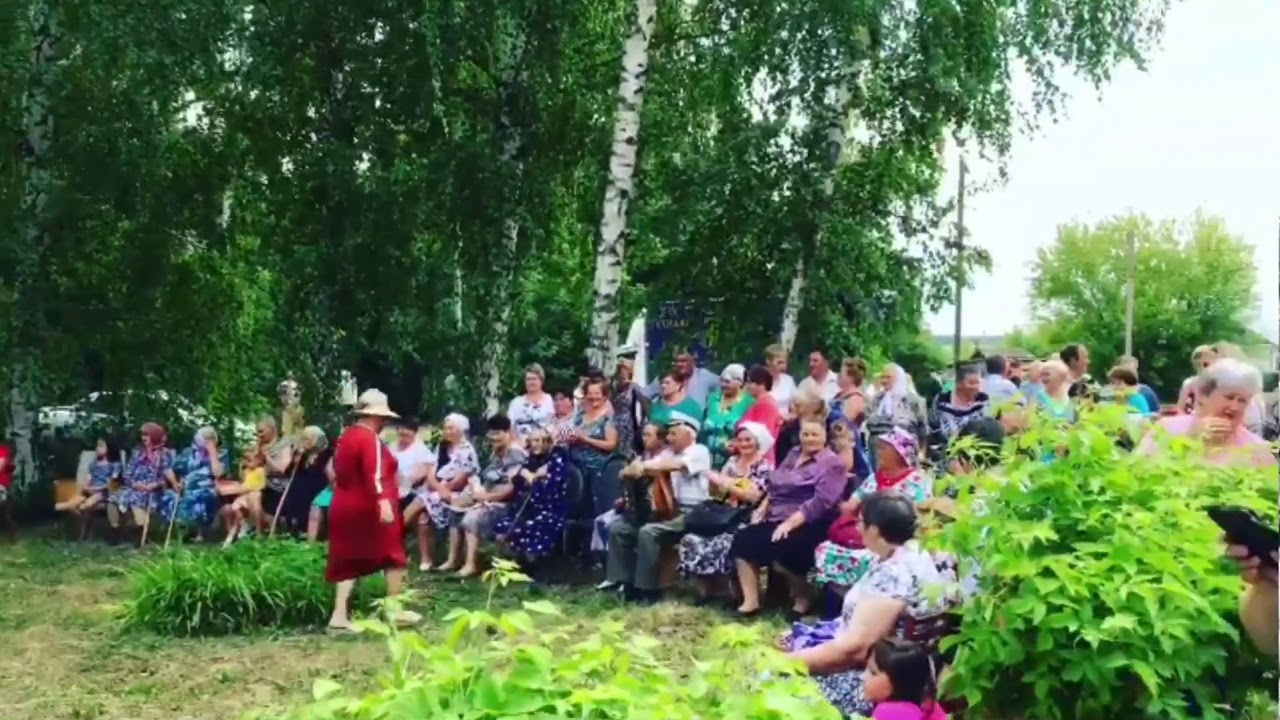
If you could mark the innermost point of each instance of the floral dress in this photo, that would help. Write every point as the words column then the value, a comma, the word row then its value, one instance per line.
column 908, row 576
column 199, row 503
column 535, row 527
column 146, row 469
column 527, row 415
column 842, row 566
column 462, row 460
column 101, row 473
column 709, row 556
column 721, row 423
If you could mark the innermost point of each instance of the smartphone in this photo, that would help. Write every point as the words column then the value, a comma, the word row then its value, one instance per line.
column 1243, row 527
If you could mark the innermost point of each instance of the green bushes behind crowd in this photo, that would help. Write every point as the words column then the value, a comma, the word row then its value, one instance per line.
column 1103, row 590
column 249, row 586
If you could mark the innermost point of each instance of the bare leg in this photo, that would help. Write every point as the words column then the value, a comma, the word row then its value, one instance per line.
column 426, row 544
column 471, row 554
column 395, row 586
column 340, row 619
column 749, row 581
column 314, row 518
column 253, row 501
column 705, row 586
column 113, row 516
column 455, row 550
column 799, row 588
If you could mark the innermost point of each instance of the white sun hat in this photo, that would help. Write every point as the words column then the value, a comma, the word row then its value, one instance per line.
column 373, row 403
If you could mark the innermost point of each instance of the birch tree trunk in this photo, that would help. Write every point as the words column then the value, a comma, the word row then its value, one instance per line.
column 835, row 144
column 611, row 250
column 31, row 235
column 494, row 356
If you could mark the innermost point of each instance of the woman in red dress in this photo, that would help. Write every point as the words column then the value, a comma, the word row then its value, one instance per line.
column 365, row 526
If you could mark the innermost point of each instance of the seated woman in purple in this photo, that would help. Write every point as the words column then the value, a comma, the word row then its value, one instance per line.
column 801, row 499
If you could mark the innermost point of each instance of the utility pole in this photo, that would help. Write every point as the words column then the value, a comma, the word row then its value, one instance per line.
column 1129, row 287
column 959, row 262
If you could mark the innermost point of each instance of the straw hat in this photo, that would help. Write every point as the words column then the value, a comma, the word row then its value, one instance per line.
column 373, row 403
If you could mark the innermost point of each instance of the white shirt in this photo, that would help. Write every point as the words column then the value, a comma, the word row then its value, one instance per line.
column 784, row 388
column 412, row 461
column 691, row 485
column 827, row 389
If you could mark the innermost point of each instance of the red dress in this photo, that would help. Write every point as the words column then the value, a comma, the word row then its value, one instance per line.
column 359, row 542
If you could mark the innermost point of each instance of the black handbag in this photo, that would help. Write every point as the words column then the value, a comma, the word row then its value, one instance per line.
column 711, row 518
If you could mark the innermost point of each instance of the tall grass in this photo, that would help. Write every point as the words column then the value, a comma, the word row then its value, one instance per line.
column 249, row 586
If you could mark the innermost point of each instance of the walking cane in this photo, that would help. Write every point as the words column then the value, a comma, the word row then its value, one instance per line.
column 173, row 517
column 283, row 496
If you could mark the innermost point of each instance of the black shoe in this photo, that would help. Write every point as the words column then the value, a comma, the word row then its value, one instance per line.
column 701, row 601
column 747, row 614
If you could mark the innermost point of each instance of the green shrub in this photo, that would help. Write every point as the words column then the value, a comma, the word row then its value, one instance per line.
column 531, row 664
column 1104, row 593
column 248, row 586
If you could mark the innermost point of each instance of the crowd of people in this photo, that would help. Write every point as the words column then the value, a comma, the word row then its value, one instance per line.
column 818, row 483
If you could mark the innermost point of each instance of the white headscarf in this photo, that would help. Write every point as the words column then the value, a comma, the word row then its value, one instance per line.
column 761, row 434
column 897, row 390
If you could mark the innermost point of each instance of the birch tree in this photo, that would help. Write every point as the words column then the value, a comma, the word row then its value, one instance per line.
column 34, row 221
column 511, row 137
column 620, row 185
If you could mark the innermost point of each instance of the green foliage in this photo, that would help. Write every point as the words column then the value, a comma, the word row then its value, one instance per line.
column 1103, row 588
column 250, row 586
column 1196, row 283
column 531, row 663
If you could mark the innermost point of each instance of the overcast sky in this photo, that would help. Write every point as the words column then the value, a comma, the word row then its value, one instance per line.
column 1199, row 129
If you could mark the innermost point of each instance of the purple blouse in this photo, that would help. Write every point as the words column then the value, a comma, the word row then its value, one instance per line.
column 814, row 488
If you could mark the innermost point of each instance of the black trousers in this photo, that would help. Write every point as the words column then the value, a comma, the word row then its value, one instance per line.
column 794, row 553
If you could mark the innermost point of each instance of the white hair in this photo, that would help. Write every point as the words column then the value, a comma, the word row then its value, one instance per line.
column 1231, row 374
column 459, row 421
column 206, row 434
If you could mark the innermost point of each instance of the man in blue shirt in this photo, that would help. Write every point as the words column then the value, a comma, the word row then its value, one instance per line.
column 1001, row 392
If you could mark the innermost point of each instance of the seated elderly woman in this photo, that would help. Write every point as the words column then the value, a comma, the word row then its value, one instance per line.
column 541, row 502
column 898, row 586
column 491, row 497
column 149, row 482
column 199, row 467
column 1224, row 395
column 844, row 558
column 441, row 500
column 738, row 488
column 635, row 550
column 802, row 495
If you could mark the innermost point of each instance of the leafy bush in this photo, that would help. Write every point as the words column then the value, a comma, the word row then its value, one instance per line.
column 1103, row 588
column 251, row 585
column 532, row 664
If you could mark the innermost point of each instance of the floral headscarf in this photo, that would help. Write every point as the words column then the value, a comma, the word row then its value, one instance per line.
column 903, row 443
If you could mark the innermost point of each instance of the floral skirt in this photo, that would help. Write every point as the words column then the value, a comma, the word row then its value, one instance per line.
column 838, row 565
column 706, row 556
column 199, row 506
column 482, row 519
column 163, row 502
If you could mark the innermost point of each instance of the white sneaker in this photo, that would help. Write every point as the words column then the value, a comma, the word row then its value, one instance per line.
column 406, row 618
column 606, row 585
column 425, row 567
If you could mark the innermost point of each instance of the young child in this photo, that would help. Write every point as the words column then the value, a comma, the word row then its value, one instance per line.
column 901, row 681
column 248, row 504
column 104, row 468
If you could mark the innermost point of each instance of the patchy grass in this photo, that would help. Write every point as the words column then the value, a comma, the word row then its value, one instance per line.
column 67, row 655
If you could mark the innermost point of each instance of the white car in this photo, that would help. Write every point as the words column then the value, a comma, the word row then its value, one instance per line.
column 131, row 407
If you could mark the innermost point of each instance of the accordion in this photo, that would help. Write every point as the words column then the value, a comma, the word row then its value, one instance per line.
column 647, row 498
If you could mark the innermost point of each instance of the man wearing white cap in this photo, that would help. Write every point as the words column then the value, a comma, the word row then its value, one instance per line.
column 635, row 552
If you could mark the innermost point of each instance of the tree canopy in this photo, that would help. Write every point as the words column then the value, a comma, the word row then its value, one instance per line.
column 1195, row 284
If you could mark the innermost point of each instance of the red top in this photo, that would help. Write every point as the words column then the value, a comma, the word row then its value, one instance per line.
column 765, row 411
column 6, row 472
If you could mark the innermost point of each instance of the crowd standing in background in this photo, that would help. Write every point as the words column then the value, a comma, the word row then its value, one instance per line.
column 719, row 477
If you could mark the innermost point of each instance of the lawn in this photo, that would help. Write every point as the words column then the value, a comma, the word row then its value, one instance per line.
column 66, row 655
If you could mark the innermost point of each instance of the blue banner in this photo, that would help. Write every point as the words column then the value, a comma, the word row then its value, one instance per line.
column 677, row 323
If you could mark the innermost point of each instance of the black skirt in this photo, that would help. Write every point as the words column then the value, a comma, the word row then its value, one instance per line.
column 794, row 553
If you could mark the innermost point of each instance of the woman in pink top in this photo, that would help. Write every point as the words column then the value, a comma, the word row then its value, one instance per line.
column 764, row 409
column 1224, row 393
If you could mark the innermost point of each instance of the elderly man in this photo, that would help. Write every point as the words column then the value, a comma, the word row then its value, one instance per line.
column 635, row 552
column 696, row 382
